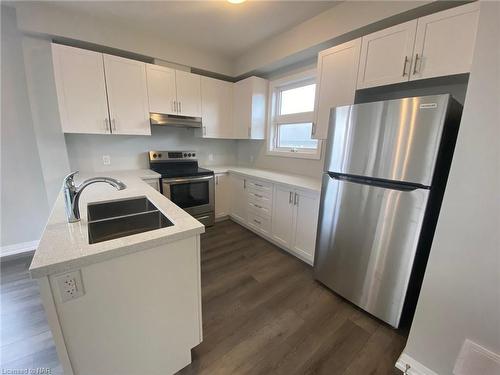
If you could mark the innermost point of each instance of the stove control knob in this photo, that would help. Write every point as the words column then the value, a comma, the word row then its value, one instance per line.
column 159, row 155
column 185, row 155
column 189, row 154
column 194, row 154
column 154, row 156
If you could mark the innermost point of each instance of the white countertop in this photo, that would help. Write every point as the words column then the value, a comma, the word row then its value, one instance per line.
column 294, row 180
column 64, row 246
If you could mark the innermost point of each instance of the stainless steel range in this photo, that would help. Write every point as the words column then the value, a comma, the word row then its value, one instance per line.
column 184, row 183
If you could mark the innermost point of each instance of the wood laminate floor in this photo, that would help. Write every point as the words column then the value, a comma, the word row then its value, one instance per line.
column 263, row 313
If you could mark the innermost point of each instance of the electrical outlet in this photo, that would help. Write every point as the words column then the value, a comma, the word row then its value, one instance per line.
column 210, row 157
column 106, row 159
column 70, row 285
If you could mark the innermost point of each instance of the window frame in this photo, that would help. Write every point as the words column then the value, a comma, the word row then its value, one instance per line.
column 288, row 82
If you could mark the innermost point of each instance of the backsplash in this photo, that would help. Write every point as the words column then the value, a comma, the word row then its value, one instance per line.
column 86, row 151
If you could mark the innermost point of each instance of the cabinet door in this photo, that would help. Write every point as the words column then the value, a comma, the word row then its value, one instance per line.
column 242, row 111
column 337, row 72
column 238, row 198
column 81, row 90
column 188, row 87
column 445, row 42
column 161, row 89
column 222, row 192
column 386, row 55
column 216, row 108
column 127, row 95
column 282, row 218
column 305, row 224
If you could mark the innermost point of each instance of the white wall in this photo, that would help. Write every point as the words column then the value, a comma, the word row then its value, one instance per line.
column 129, row 152
column 39, row 18
column 24, row 206
column 460, row 297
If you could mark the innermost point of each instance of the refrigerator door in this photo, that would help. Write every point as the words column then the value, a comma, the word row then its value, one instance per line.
column 392, row 140
column 367, row 239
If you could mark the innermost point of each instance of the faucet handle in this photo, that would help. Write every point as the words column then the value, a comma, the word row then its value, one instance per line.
column 69, row 179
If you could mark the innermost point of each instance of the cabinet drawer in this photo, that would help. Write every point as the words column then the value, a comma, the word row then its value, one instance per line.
column 259, row 223
column 259, row 210
column 259, row 199
column 260, row 186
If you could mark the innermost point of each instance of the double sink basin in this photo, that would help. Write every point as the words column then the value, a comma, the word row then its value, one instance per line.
column 125, row 217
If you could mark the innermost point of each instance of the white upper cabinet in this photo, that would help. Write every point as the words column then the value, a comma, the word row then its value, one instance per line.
column 305, row 224
column 127, row 95
column 249, row 108
column 445, row 41
column 161, row 89
column 386, row 55
column 188, row 87
column 81, row 90
column 216, row 105
column 336, row 82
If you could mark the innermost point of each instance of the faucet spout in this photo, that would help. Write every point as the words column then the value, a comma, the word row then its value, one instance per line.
column 72, row 193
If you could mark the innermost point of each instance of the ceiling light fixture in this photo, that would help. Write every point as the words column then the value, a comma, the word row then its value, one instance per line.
column 236, row 1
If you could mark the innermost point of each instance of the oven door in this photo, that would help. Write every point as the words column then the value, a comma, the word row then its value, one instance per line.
column 193, row 194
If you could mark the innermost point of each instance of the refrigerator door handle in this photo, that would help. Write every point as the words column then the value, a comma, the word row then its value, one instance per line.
column 402, row 186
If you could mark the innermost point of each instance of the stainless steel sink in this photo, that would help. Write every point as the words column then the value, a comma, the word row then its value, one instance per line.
column 120, row 218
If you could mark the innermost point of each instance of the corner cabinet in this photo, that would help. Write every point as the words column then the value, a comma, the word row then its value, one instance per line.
column 336, row 82
column 249, row 108
column 100, row 94
column 216, row 108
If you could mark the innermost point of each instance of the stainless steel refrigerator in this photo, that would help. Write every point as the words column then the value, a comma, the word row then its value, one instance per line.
column 385, row 172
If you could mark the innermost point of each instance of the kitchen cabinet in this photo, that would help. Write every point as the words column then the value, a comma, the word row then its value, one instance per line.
column 216, row 108
column 222, row 195
column 153, row 182
column 238, row 198
column 444, row 43
column 295, row 220
column 100, row 94
column 436, row 45
column 249, row 108
column 305, row 223
column 161, row 89
column 336, row 82
column 283, row 209
column 127, row 95
column 386, row 55
column 81, row 90
column 188, row 88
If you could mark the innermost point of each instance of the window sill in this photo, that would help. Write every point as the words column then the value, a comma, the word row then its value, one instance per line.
column 297, row 155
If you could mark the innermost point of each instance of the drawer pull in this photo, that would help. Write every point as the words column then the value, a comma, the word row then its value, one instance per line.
column 258, row 195
column 257, row 221
column 259, row 185
column 256, row 205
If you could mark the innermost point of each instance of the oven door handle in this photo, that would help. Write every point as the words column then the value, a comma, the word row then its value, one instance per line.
column 186, row 179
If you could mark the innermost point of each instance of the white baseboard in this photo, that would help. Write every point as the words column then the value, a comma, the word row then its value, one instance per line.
column 18, row 249
column 412, row 366
column 475, row 359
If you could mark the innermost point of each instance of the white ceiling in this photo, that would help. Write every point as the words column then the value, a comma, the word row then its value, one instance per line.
column 218, row 26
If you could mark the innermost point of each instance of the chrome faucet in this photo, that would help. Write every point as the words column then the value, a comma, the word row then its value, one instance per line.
column 72, row 193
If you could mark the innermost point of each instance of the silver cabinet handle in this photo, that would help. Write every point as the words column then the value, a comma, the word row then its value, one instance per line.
column 244, row 183
column 256, row 205
column 107, row 127
column 216, row 180
column 204, row 130
column 290, row 198
column 258, row 195
column 416, row 62
column 296, row 199
column 173, row 105
column 113, row 121
column 404, row 65
column 180, row 107
column 257, row 221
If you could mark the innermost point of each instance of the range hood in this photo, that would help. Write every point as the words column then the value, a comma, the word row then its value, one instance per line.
column 164, row 119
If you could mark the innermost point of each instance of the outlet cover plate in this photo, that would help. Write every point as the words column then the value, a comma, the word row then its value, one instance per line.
column 70, row 285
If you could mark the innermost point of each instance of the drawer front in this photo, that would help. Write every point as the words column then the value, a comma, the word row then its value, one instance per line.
column 264, row 187
column 259, row 199
column 257, row 209
column 261, row 224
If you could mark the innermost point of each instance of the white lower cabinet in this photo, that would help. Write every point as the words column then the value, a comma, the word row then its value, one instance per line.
column 239, row 200
column 285, row 215
column 222, row 194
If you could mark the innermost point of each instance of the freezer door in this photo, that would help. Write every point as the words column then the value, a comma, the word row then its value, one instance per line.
column 367, row 238
column 393, row 140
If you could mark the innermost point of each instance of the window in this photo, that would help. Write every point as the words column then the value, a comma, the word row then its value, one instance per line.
column 291, row 117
